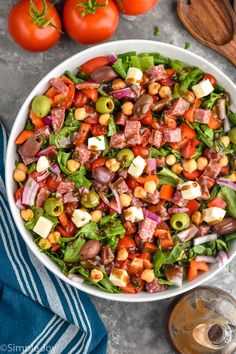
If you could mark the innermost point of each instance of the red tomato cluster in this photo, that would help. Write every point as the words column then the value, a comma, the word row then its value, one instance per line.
column 36, row 25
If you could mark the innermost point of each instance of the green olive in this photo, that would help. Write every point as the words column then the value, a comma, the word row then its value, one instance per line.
column 232, row 135
column 90, row 200
column 125, row 156
column 179, row 221
column 53, row 207
column 41, row 106
column 105, row 105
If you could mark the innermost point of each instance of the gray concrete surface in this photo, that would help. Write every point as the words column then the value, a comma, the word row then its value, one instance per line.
column 133, row 328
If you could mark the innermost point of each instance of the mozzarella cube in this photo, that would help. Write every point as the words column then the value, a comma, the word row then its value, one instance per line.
column 133, row 214
column 80, row 217
column 42, row 164
column 119, row 277
column 213, row 215
column 203, row 88
column 43, row 227
column 137, row 166
column 134, row 76
column 97, row 143
column 190, row 190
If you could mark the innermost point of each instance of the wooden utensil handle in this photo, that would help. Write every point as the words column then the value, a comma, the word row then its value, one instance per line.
column 229, row 50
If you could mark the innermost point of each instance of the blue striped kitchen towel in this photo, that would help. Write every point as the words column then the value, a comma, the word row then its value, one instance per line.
column 38, row 312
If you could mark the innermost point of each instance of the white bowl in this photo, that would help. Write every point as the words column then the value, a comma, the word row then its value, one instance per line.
column 71, row 64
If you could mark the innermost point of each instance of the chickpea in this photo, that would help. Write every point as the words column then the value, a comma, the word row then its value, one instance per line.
column 112, row 165
column 54, row 237
column 224, row 161
column 19, row 175
column 80, row 113
column 104, row 119
column 165, row 92
column 96, row 275
column 148, row 275
column 177, row 168
column 189, row 165
column 73, row 165
column 225, row 140
column 122, row 255
column 196, row 218
column 140, row 192
column 232, row 177
column 190, row 97
column 45, row 244
column 125, row 200
column 202, row 163
column 118, row 84
column 27, row 214
column 147, row 264
column 21, row 166
column 150, row 186
column 96, row 215
column 170, row 160
column 127, row 108
column 154, row 88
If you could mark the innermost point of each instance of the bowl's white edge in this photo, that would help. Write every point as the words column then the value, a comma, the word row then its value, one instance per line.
column 108, row 48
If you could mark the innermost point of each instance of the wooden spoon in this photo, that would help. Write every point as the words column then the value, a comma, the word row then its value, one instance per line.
column 211, row 22
column 234, row 5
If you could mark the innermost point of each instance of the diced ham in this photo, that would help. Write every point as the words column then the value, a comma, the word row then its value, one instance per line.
column 160, row 161
column 204, row 189
column 69, row 198
column 132, row 133
column 177, row 108
column 155, row 286
column 121, row 118
column 172, row 135
column 202, row 115
column 59, row 85
column 118, row 141
column 203, row 229
column 179, row 200
column 42, row 196
column 152, row 198
column 66, row 186
column 213, row 169
column 156, row 73
column 82, row 153
column 156, row 138
column 120, row 185
column 146, row 229
column 58, row 117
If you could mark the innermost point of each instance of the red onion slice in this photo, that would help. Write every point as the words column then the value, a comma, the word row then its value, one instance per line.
column 29, row 192
column 83, row 190
column 222, row 258
column 204, row 239
column 54, row 168
column 172, row 211
column 108, row 203
column 49, row 151
column 226, row 182
column 152, row 164
column 76, row 278
column 87, row 85
column 118, row 202
column 188, row 234
column 47, row 120
column 150, row 215
column 126, row 92
column 206, row 259
column 20, row 205
column 43, row 176
column 112, row 58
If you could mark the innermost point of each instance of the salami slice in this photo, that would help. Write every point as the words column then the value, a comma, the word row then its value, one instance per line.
column 177, row 108
column 59, row 86
column 156, row 138
column 157, row 72
column 82, row 154
column 120, row 185
column 172, row 135
column 58, row 117
column 65, row 187
column 118, row 141
column 132, row 133
column 42, row 196
column 202, row 116
column 213, row 169
column 155, row 286
column 146, row 229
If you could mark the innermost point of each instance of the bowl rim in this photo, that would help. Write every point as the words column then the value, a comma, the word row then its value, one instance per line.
column 50, row 265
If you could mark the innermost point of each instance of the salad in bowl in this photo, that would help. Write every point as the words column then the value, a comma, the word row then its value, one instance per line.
column 126, row 173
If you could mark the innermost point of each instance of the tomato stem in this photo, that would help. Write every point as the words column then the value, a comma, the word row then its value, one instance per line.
column 91, row 6
column 39, row 17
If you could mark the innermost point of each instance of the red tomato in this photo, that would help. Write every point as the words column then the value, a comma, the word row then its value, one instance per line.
column 80, row 99
column 98, row 129
column 18, row 193
column 193, row 175
column 62, row 232
column 69, row 208
column 91, row 94
column 91, row 27
column 129, row 288
column 82, row 134
column 91, row 115
column 210, row 153
column 94, row 64
column 147, row 119
column 130, row 228
column 170, row 72
column 210, row 77
column 52, row 183
column 127, row 243
column 217, row 202
column 99, row 162
column 189, row 149
column 29, row 35
column 139, row 150
column 136, row 7
column 166, row 82
column 145, row 137
column 34, row 175
column 131, row 183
